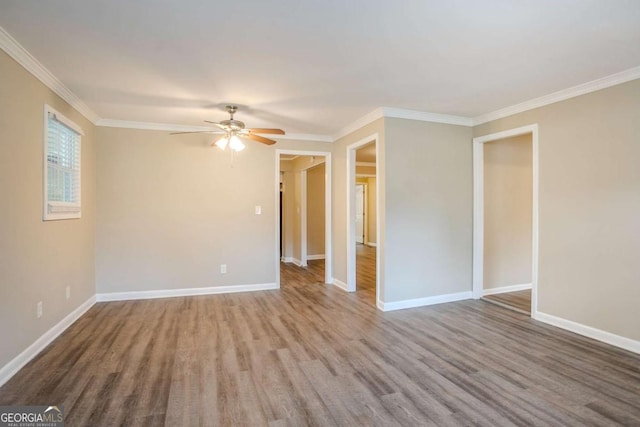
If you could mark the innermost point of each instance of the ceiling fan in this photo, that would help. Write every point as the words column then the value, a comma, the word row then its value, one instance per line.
column 232, row 130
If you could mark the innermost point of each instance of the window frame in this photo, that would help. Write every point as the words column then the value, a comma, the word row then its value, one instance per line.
column 62, row 210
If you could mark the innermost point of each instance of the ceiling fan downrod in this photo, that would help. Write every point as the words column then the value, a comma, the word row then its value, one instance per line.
column 231, row 109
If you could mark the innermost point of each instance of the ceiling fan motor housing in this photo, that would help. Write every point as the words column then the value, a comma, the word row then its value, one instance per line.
column 233, row 124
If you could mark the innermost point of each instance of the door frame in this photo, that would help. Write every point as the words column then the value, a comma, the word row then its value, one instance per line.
column 304, row 201
column 351, row 213
column 303, row 218
column 478, row 209
column 328, row 242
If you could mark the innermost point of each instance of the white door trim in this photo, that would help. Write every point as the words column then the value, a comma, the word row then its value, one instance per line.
column 303, row 218
column 351, row 215
column 478, row 209
column 328, row 263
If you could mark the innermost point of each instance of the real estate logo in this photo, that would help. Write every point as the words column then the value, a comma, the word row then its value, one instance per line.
column 31, row 416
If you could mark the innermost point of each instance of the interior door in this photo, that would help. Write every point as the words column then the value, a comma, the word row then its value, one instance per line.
column 359, row 213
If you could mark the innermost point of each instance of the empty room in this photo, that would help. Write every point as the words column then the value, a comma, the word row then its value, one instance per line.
column 320, row 213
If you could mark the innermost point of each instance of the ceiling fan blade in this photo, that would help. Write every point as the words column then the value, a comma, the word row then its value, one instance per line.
column 267, row 131
column 260, row 139
column 198, row 131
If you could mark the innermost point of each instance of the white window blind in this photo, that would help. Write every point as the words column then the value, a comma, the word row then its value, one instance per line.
column 62, row 167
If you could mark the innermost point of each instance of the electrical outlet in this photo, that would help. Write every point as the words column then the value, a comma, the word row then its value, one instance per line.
column 223, row 268
column 258, row 210
column 68, row 292
column 39, row 310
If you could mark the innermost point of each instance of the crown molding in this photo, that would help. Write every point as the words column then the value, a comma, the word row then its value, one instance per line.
column 561, row 95
column 168, row 127
column 360, row 123
column 424, row 116
column 572, row 92
column 400, row 113
column 303, row 137
column 126, row 124
column 31, row 64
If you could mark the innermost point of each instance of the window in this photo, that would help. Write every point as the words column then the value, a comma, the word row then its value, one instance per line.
column 61, row 166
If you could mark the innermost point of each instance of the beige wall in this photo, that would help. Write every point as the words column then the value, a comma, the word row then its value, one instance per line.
column 172, row 209
column 38, row 259
column 589, row 203
column 508, row 200
column 316, row 210
column 428, row 208
column 286, row 165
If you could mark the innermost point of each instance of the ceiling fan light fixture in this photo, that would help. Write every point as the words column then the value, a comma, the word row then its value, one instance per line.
column 235, row 144
column 222, row 143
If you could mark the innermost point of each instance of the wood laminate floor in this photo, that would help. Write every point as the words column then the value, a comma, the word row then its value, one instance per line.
column 366, row 273
column 311, row 354
column 519, row 301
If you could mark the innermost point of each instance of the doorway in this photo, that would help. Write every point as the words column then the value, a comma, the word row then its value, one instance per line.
column 362, row 225
column 313, row 227
column 303, row 217
column 505, row 255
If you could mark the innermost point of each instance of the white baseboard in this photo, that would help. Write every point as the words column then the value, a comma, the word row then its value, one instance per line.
column 503, row 289
column 340, row 284
column 291, row 260
column 372, row 244
column 171, row 293
column 588, row 331
column 421, row 302
column 314, row 257
column 11, row 368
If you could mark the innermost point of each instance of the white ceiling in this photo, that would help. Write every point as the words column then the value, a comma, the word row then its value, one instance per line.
column 316, row 66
